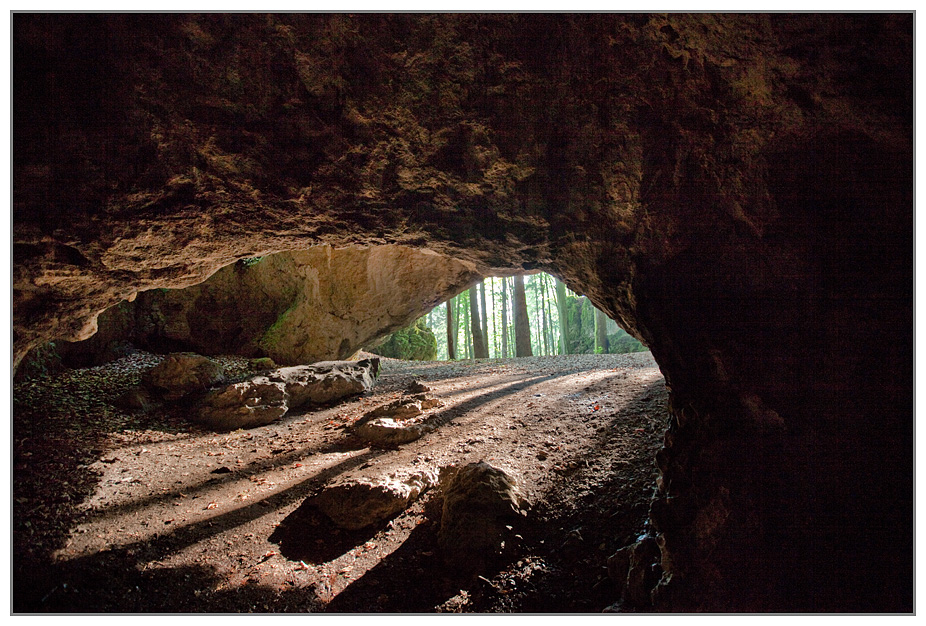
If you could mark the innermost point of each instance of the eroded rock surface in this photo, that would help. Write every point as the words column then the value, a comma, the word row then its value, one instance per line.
column 265, row 398
column 293, row 307
column 400, row 421
column 180, row 375
column 355, row 500
column 481, row 503
column 735, row 190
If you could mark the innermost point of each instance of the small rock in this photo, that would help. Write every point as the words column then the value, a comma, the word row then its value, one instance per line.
column 261, row 364
column 637, row 569
column 354, row 501
column 417, row 387
column 480, row 504
column 387, row 432
column 183, row 373
column 135, row 399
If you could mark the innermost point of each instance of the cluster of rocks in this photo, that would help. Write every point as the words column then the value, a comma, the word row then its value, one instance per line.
column 258, row 400
column 266, row 398
column 481, row 507
column 400, row 421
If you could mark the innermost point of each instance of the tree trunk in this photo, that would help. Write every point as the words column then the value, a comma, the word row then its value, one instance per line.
column 467, row 328
column 504, row 317
column 522, row 328
column 563, row 319
column 479, row 346
column 601, row 332
column 451, row 331
column 543, row 318
column 485, row 318
column 494, row 319
column 548, row 312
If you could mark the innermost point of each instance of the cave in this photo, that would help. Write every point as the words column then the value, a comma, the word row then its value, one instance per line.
column 736, row 190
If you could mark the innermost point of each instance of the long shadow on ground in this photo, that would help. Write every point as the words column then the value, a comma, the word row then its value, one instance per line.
column 595, row 508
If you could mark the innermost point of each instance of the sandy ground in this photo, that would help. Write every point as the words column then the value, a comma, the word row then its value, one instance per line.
column 122, row 512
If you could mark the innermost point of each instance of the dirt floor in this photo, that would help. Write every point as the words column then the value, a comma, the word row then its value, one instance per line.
column 132, row 512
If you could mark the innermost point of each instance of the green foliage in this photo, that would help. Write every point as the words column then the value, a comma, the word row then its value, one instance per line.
column 621, row 342
column 261, row 363
column 274, row 335
column 415, row 343
column 581, row 329
column 43, row 360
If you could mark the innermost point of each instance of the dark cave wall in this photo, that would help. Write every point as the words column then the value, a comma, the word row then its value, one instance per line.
column 736, row 190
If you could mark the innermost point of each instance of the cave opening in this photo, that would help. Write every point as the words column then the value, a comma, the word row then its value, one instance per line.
column 736, row 190
column 575, row 427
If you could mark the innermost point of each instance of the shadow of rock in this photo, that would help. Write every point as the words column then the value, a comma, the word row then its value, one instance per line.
column 308, row 535
column 413, row 579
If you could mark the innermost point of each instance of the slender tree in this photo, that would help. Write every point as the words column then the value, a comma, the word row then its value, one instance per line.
column 542, row 345
column 465, row 327
column 493, row 318
column 505, row 317
column 522, row 329
column 601, row 332
column 479, row 345
column 485, row 318
column 548, row 312
column 451, row 331
column 560, row 289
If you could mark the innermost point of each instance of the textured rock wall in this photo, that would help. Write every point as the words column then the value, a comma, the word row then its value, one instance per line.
column 295, row 307
column 736, row 190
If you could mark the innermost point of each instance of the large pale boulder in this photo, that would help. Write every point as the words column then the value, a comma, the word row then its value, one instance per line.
column 267, row 397
column 356, row 500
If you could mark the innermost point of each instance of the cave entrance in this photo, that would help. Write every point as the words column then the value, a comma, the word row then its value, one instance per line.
column 230, row 520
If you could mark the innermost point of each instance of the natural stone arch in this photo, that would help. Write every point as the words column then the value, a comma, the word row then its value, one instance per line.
column 735, row 190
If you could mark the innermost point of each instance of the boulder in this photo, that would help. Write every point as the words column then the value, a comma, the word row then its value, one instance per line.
column 355, row 501
column 265, row 398
column 385, row 432
column 481, row 502
column 327, row 381
column 182, row 374
column 135, row 398
column 254, row 402
column 401, row 409
column 400, row 421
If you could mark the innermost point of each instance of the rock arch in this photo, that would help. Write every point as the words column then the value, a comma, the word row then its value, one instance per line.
column 735, row 189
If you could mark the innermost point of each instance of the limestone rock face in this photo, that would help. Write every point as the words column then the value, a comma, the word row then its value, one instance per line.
column 735, row 190
column 265, row 398
column 294, row 307
column 355, row 501
column 180, row 375
column 480, row 502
